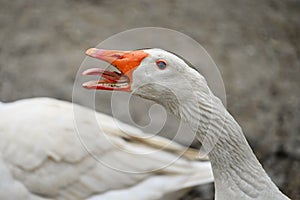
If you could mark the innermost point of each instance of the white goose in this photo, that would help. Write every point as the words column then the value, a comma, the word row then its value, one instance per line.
column 165, row 78
column 42, row 158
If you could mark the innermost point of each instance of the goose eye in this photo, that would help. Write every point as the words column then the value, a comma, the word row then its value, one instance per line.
column 161, row 64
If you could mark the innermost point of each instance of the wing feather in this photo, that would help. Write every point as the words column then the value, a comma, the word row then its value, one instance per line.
column 52, row 150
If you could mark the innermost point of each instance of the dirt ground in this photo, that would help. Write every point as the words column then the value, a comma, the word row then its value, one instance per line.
column 256, row 45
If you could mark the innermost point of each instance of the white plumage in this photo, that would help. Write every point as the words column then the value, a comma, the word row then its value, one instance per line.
column 42, row 157
column 165, row 78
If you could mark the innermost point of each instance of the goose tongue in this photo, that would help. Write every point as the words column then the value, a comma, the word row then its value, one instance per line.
column 109, row 80
column 107, row 75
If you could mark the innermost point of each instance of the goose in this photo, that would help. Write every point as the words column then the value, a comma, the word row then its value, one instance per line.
column 169, row 80
column 43, row 157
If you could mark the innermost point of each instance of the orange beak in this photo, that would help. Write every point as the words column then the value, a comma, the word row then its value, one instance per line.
column 125, row 61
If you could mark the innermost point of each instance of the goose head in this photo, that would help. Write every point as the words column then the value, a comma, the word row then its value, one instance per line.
column 153, row 74
column 169, row 80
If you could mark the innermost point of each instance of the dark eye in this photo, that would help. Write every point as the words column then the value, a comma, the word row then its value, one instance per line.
column 161, row 64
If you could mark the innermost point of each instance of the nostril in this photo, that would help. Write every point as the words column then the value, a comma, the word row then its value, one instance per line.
column 118, row 56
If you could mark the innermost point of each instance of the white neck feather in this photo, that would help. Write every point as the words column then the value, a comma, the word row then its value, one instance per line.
column 237, row 172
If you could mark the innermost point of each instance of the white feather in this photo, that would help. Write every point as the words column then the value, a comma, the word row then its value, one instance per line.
column 42, row 157
column 237, row 172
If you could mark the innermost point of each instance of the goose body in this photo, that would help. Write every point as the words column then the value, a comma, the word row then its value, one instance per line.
column 42, row 156
column 165, row 78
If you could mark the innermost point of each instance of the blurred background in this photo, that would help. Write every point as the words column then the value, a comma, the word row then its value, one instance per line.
column 255, row 44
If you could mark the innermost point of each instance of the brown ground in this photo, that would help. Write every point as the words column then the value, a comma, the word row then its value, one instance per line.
column 256, row 45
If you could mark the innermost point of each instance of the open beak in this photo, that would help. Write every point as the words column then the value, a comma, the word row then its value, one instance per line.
column 125, row 61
